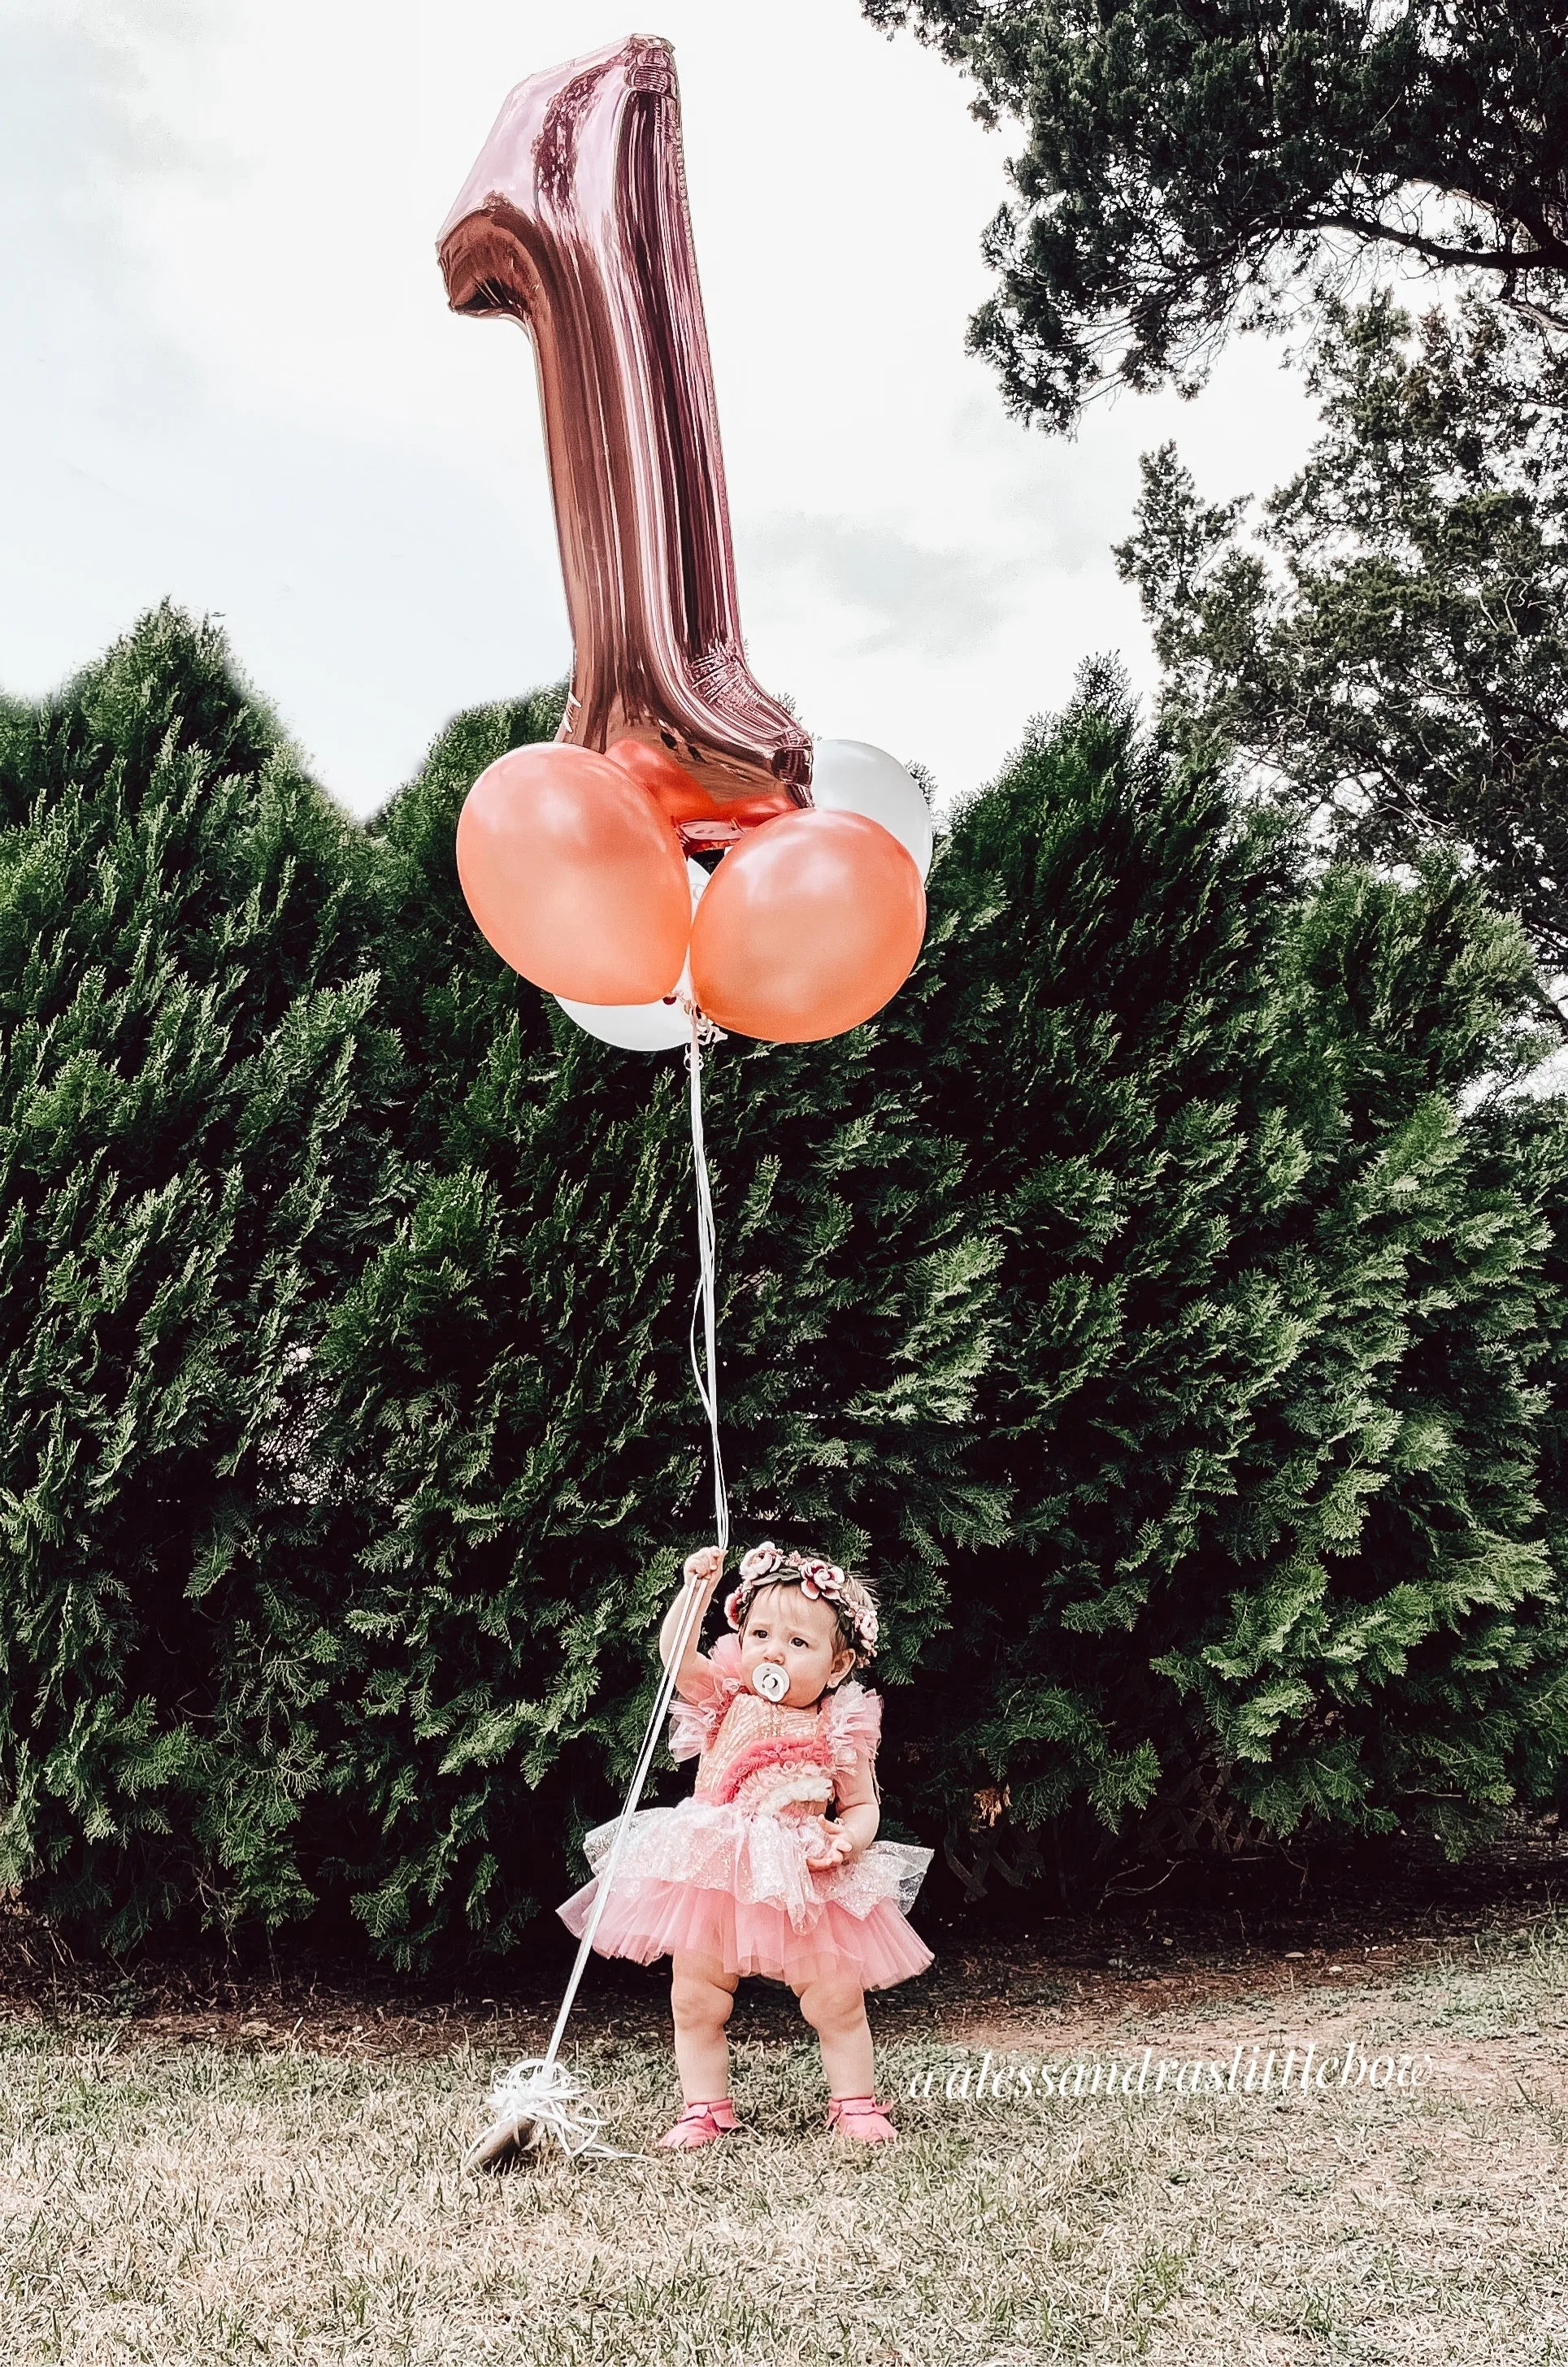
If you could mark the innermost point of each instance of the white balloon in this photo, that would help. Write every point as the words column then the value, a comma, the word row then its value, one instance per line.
column 851, row 777
column 641, row 1026
column 632, row 1026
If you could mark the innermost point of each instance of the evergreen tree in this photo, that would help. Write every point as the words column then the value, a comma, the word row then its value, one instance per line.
column 1396, row 1649
column 1263, row 1394
column 185, row 1047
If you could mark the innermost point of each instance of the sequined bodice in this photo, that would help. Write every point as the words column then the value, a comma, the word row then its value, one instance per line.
column 755, row 1729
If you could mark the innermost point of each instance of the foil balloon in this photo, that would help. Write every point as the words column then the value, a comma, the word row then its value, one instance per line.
column 660, row 1027
column 809, row 925
column 575, row 876
column 575, row 223
column 851, row 777
column 683, row 800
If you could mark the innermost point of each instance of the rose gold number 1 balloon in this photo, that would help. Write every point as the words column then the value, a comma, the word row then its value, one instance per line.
column 574, row 222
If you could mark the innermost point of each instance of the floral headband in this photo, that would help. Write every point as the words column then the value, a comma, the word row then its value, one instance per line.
column 821, row 1582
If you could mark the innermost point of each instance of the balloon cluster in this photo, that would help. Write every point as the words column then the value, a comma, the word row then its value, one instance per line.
column 573, row 869
column 575, row 857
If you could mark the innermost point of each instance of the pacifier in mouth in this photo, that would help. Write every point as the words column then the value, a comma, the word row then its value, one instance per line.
column 770, row 1681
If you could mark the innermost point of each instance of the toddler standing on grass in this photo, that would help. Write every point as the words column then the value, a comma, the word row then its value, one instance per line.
column 773, row 1865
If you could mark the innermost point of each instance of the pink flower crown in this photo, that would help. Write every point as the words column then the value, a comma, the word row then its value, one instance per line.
column 818, row 1581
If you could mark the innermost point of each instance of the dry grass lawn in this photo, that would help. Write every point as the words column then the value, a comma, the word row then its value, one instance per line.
column 269, row 2200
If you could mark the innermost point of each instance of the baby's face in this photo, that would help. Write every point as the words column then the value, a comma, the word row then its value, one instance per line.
column 801, row 1636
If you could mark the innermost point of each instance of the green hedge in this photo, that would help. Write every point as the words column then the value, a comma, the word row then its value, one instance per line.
column 1278, row 1340
column 1161, row 1301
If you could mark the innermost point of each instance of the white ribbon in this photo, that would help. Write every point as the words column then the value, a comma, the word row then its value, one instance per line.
column 537, row 2090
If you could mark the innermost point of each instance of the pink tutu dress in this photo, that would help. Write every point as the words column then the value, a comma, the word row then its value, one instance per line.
column 724, row 1872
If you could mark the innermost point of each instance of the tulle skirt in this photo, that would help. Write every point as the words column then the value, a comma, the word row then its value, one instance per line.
column 707, row 1878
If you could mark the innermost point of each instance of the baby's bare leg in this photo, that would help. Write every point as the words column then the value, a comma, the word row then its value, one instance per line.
column 836, row 2010
column 701, row 1994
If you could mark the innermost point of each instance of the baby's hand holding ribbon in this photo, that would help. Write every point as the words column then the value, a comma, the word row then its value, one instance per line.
column 703, row 1567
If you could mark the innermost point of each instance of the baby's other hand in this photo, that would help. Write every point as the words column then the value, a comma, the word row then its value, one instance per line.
column 831, row 1849
column 703, row 1567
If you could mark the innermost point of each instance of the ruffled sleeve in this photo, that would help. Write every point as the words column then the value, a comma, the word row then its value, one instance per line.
column 854, row 1723
column 698, row 1711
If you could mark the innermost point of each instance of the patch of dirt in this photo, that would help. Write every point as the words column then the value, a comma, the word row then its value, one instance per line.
column 1243, row 1940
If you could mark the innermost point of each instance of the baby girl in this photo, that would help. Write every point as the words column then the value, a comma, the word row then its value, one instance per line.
column 773, row 1865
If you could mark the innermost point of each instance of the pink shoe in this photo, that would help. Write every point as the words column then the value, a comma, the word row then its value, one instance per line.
column 699, row 2124
column 862, row 2118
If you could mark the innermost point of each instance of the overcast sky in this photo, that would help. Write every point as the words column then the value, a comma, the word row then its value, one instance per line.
column 231, row 374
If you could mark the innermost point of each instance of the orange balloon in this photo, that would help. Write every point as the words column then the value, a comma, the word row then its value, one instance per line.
column 810, row 925
column 575, row 875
